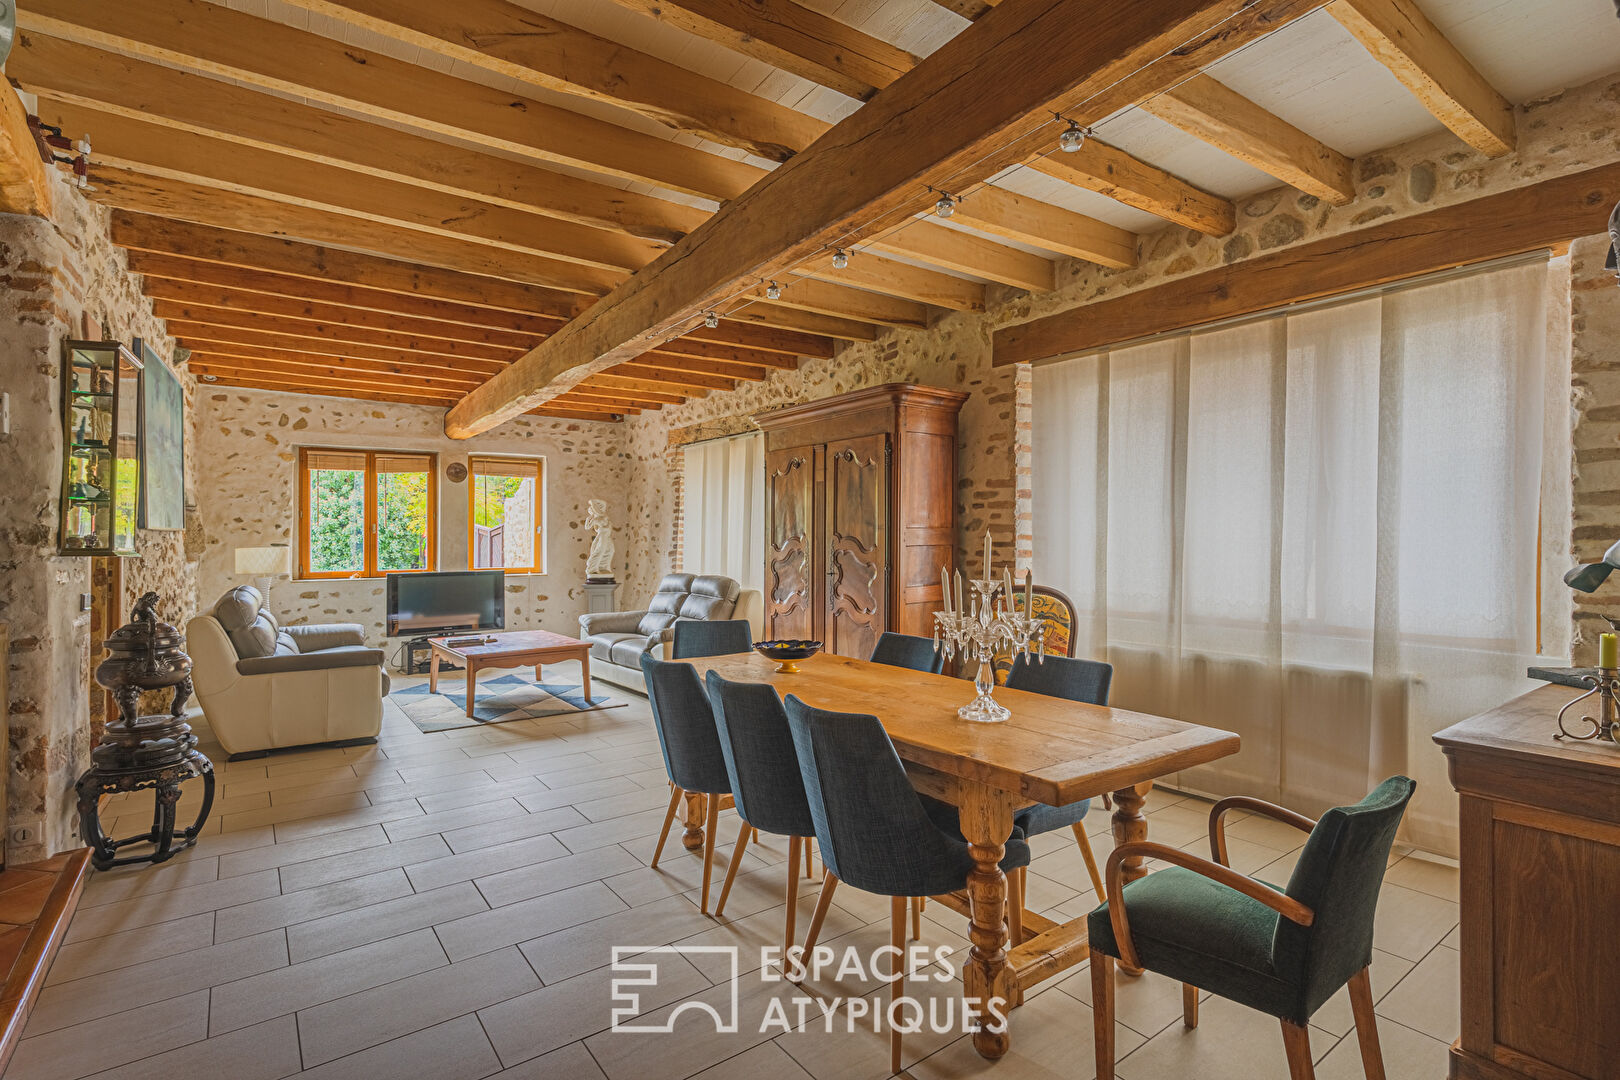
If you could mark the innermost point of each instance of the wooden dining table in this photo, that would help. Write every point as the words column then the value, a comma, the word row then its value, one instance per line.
column 1052, row 751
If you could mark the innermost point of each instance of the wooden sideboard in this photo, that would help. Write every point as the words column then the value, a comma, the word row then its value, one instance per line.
column 860, row 514
column 1540, row 902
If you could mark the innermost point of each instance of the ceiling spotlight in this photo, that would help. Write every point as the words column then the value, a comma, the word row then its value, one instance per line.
column 840, row 259
column 711, row 320
column 946, row 205
column 1072, row 139
column 210, row 378
column 773, row 291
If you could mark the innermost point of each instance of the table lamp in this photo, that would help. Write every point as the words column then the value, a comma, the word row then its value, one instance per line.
column 264, row 564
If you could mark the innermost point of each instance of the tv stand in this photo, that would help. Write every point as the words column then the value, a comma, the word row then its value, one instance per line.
column 419, row 656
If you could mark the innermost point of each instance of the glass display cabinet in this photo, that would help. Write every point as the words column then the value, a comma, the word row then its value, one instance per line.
column 101, row 473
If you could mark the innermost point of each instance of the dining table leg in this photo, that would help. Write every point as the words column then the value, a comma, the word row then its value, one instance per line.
column 986, row 817
column 1130, row 824
column 696, row 808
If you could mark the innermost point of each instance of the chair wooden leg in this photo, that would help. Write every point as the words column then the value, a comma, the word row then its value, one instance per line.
column 916, row 918
column 1189, row 1005
column 1090, row 857
column 794, row 843
column 808, row 844
column 710, row 828
column 1361, row 1003
column 1102, row 1012
column 1015, row 907
column 897, row 986
column 743, row 835
column 828, row 884
column 675, row 794
column 1297, row 1042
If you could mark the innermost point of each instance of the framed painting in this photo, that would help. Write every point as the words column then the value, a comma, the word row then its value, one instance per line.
column 163, row 444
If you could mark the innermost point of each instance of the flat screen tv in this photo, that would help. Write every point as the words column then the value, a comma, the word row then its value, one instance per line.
column 420, row 605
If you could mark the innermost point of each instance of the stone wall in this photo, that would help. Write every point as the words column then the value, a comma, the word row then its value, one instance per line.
column 250, row 439
column 55, row 274
column 1595, row 359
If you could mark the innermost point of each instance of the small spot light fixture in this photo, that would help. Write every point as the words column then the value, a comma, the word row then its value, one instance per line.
column 1072, row 138
column 210, row 378
column 840, row 259
column 711, row 320
column 946, row 206
column 773, row 291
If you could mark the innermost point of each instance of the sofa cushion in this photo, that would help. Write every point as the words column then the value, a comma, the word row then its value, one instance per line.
column 712, row 599
column 602, row 644
column 626, row 652
column 654, row 621
column 251, row 628
column 315, row 637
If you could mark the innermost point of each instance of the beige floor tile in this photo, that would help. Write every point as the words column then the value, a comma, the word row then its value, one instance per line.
column 1426, row 873
column 564, row 872
column 267, row 1051
column 1408, row 1055
column 679, row 871
column 588, row 946
column 759, row 931
column 66, row 1004
column 72, row 1052
column 1410, row 923
column 1267, row 831
column 462, row 817
column 293, row 851
column 629, row 802
column 516, row 827
column 289, row 908
column 348, row 819
column 454, row 1050
column 352, row 1023
column 765, row 1060
column 139, row 879
column 454, row 798
column 1147, row 1003
column 352, row 864
column 173, row 904
column 527, row 919
column 1427, row 1000
column 1387, row 971
column 131, row 947
column 380, row 922
column 693, row 1043
column 1231, row 1042
column 552, row 797
column 571, row 1062
column 287, row 990
column 293, row 811
column 481, row 862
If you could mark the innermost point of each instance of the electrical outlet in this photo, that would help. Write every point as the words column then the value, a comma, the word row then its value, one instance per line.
column 27, row 833
column 86, row 601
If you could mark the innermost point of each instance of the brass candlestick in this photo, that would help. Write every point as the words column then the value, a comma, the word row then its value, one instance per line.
column 1604, row 684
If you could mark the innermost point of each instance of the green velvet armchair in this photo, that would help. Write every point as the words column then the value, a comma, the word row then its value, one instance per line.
column 1281, row 951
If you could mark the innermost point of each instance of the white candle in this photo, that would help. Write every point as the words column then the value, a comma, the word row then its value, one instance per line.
column 1006, row 590
column 987, row 555
column 1029, row 594
column 958, row 608
column 945, row 587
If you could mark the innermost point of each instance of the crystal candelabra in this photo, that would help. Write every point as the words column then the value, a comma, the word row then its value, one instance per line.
column 982, row 627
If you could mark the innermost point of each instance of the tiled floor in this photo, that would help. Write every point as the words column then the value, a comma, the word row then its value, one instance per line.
column 445, row 905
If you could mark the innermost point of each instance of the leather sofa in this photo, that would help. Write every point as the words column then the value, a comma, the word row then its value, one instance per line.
column 264, row 686
column 618, row 638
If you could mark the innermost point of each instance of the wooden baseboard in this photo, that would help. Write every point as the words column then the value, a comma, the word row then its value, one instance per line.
column 27, row 975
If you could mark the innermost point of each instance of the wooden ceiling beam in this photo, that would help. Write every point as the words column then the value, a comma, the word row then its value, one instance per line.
column 628, row 403
column 844, row 302
column 219, row 337
column 574, row 414
column 774, row 315
column 223, row 246
column 656, row 397
column 951, row 249
column 25, row 181
column 747, row 372
column 1018, row 217
column 630, row 382
column 1231, row 122
column 196, row 315
column 286, row 386
column 1401, row 37
column 223, row 43
column 301, row 380
column 478, row 370
column 789, row 36
column 871, row 271
column 672, row 376
column 789, row 342
column 731, row 354
column 270, row 360
column 71, row 73
column 331, row 376
column 507, row 39
column 1110, row 171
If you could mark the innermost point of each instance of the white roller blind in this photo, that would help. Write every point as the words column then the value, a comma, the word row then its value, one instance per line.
column 724, row 500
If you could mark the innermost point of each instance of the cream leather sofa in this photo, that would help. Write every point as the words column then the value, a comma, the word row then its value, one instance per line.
column 618, row 638
column 263, row 686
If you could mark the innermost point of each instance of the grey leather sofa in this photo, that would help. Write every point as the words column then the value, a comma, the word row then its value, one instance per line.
column 618, row 638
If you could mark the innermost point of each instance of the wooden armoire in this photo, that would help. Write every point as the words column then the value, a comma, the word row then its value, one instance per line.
column 860, row 514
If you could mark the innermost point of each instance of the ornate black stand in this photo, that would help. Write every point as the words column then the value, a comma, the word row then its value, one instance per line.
column 141, row 752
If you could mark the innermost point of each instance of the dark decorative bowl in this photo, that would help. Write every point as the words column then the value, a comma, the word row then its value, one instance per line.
column 787, row 654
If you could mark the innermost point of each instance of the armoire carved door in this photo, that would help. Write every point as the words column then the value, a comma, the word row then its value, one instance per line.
column 792, row 552
column 857, row 515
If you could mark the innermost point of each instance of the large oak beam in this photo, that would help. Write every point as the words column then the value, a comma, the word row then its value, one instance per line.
column 1110, row 171
column 339, row 331
column 1402, row 38
column 295, row 351
column 945, row 123
column 762, row 314
column 1542, row 215
column 25, row 183
column 1231, row 122
column 1018, row 217
column 334, row 366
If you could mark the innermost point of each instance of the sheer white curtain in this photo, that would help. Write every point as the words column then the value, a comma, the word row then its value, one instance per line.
column 1317, row 530
column 724, row 501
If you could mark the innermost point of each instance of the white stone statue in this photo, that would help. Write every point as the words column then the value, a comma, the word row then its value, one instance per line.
column 599, row 563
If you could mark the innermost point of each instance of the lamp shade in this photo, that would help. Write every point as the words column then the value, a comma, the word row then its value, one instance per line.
column 263, row 561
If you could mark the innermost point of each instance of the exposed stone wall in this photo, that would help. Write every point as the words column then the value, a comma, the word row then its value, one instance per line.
column 1595, row 359
column 250, row 439
column 54, row 274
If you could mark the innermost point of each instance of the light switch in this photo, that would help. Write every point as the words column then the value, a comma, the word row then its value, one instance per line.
column 86, row 601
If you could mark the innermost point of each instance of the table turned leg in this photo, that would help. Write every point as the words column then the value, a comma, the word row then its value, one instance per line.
column 696, row 807
column 1131, row 824
column 472, row 683
column 987, row 980
column 433, row 672
column 585, row 675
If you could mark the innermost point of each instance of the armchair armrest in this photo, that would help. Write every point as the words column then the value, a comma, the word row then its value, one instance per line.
column 610, row 622
column 344, row 656
column 1217, row 821
column 1281, row 903
column 319, row 636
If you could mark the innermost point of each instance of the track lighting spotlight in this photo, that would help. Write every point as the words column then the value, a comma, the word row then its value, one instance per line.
column 773, row 291
column 946, row 205
column 711, row 320
column 840, row 259
column 1072, row 139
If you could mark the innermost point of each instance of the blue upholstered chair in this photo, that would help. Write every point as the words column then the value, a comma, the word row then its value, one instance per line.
column 691, row 746
column 765, row 779
column 904, row 650
column 694, row 638
column 1283, row 951
column 870, row 822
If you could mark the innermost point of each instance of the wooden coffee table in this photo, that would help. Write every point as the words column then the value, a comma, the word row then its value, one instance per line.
column 520, row 648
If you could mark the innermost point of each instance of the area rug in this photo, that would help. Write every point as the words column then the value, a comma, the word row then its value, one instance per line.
column 499, row 699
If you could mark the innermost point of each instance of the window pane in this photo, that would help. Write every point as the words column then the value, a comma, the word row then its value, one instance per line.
column 337, row 521
column 503, row 521
column 402, row 521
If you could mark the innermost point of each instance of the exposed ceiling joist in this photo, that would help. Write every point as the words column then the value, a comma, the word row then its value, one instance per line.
column 324, row 341
column 1110, row 171
column 293, row 362
column 25, row 184
column 870, row 271
column 512, row 40
column 330, row 375
column 340, row 331
column 214, row 342
column 1402, row 38
column 1017, row 217
column 1231, row 122
column 292, row 386
column 789, row 36
column 642, row 378
column 939, row 246
column 840, row 301
column 809, row 322
column 947, row 123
